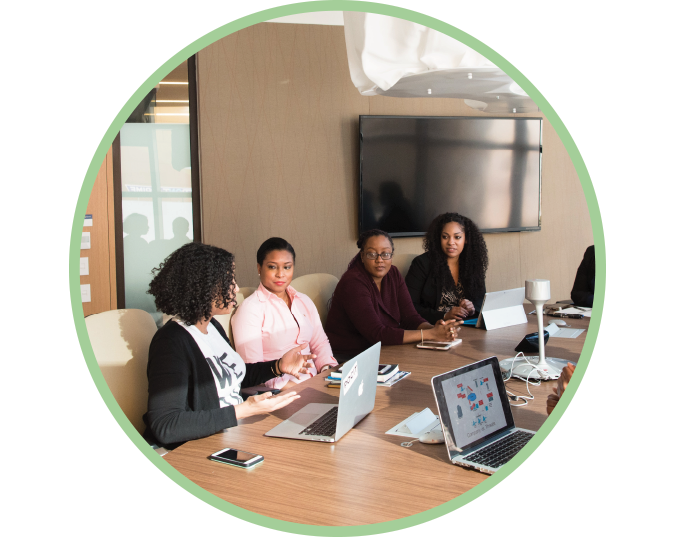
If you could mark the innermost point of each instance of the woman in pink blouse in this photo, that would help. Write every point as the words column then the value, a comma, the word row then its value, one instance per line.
column 277, row 317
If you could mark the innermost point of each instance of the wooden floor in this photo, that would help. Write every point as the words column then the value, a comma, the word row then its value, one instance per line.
column 366, row 477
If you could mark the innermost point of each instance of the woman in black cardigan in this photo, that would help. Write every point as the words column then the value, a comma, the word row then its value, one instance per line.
column 194, row 375
column 448, row 280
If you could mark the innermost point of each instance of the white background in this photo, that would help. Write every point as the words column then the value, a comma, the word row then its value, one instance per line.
column 612, row 71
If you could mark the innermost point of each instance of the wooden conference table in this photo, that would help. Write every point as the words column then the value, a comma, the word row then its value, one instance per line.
column 366, row 477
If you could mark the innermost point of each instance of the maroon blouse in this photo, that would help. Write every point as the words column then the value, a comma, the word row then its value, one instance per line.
column 360, row 315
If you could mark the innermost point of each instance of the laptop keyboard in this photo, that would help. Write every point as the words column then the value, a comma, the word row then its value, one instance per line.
column 496, row 454
column 325, row 425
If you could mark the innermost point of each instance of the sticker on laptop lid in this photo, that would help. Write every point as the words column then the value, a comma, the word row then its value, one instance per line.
column 350, row 378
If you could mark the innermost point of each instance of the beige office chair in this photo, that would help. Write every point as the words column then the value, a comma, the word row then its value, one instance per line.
column 319, row 288
column 120, row 340
column 246, row 292
column 402, row 262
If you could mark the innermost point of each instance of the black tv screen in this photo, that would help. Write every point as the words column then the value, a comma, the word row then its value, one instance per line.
column 415, row 168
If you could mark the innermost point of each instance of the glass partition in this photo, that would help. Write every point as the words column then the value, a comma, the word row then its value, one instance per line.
column 156, row 185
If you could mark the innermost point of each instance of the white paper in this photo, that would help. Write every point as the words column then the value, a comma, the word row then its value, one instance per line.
column 85, row 266
column 85, row 241
column 88, row 221
column 569, row 333
column 416, row 425
column 85, row 292
column 586, row 312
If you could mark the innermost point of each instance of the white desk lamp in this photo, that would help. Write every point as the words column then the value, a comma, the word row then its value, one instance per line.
column 538, row 293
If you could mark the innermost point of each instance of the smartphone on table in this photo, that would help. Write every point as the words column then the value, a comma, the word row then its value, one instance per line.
column 235, row 457
column 439, row 345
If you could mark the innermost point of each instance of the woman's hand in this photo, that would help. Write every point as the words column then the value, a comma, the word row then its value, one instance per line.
column 296, row 364
column 445, row 330
column 263, row 404
column 565, row 377
column 467, row 306
column 552, row 401
column 456, row 313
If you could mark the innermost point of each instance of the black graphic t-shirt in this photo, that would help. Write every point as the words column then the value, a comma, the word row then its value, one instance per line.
column 226, row 365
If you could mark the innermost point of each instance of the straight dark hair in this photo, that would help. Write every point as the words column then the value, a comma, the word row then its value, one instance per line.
column 271, row 245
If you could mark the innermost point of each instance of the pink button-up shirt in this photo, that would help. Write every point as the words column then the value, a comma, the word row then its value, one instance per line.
column 264, row 328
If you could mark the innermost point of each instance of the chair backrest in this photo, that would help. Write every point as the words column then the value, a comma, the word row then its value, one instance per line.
column 227, row 326
column 319, row 288
column 246, row 291
column 402, row 262
column 120, row 340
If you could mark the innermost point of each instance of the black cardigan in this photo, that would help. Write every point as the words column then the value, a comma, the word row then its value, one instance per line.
column 183, row 401
column 584, row 284
column 426, row 293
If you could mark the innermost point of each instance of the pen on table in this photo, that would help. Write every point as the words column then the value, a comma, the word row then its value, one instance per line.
column 334, row 385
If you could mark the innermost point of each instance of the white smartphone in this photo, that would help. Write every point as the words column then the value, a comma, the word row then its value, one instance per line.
column 235, row 457
column 439, row 345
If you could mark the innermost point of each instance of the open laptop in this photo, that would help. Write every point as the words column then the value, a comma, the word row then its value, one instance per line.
column 476, row 417
column 321, row 422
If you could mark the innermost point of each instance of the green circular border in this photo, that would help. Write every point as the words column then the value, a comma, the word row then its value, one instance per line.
column 306, row 7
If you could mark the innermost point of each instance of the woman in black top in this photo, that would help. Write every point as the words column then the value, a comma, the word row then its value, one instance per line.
column 194, row 375
column 584, row 284
column 448, row 280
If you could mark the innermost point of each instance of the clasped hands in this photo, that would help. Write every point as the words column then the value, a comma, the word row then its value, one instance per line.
column 447, row 330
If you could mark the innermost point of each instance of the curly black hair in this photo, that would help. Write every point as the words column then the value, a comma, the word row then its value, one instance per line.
column 473, row 261
column 364, row 238
column 192, row 279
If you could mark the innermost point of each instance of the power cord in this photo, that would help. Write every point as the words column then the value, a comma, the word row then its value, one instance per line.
column 524, row 398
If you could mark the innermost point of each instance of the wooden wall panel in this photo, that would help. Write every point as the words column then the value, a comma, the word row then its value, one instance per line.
column 278, row 119
column 101, row 255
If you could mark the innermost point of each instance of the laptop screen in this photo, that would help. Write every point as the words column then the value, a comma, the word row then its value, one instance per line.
column 470, row 403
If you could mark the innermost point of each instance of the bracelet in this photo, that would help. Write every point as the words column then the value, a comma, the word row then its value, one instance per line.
column 275, row 368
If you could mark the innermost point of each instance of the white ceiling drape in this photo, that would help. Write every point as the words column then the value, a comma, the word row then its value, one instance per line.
column 398, row 58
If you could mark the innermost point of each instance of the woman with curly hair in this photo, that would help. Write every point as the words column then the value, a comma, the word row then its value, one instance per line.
column 448, row 280
column 371, row 303
column 194, row 375
column 277, row 317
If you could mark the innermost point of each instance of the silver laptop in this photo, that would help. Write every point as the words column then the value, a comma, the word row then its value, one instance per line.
column 476, row 417
column 502, row 308
column 321, row 422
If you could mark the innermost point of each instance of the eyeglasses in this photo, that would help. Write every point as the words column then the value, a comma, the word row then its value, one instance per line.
column 384, row 255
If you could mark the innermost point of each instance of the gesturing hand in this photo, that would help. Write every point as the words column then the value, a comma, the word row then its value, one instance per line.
column 552, row 401
column 565, row 377
column 294, row 363
column 263, row 403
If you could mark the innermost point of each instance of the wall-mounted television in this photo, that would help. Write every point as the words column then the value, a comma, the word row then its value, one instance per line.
column 414, row 168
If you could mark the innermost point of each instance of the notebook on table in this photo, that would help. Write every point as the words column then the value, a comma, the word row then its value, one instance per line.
column 476, row 417
column 321, row 422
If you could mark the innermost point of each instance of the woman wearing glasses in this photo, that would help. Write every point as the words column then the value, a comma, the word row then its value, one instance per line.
column 371, row 303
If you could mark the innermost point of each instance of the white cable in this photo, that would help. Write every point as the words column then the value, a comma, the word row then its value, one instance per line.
column 523, row 397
